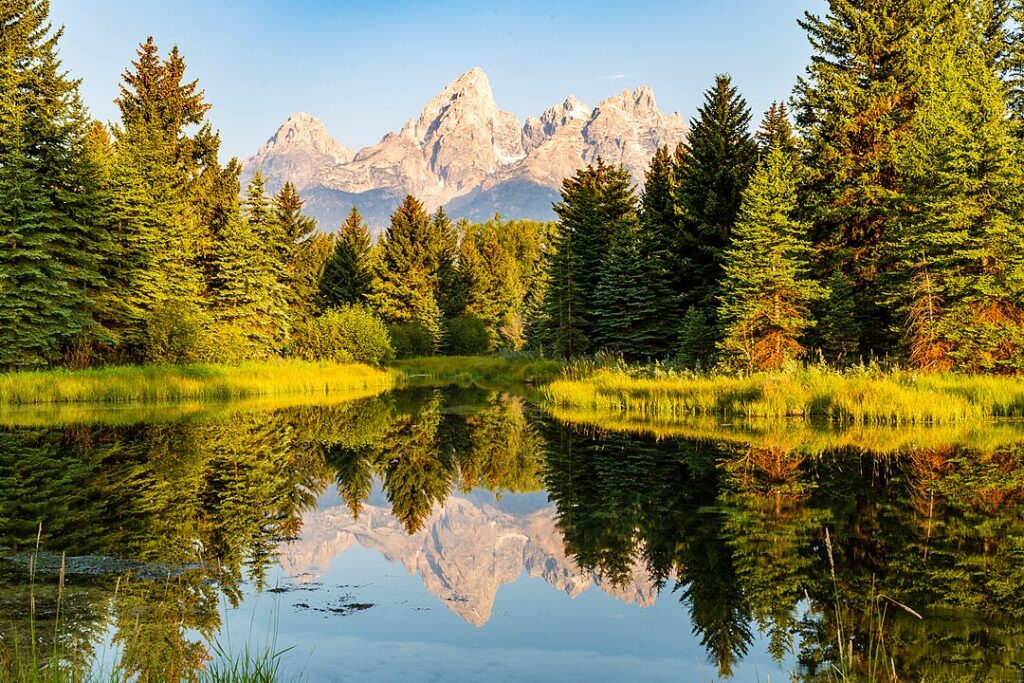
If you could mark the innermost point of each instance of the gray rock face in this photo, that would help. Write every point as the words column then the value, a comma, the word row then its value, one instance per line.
column 463, row 147
column 463, row 553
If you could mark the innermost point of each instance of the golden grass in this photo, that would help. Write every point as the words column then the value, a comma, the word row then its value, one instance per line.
column 173, row 384
column 805, row 437
column 861, row 396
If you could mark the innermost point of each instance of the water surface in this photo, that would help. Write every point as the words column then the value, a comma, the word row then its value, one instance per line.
column 459, row 534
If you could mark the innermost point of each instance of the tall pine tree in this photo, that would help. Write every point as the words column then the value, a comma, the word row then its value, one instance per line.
column 53, row 242
column 767, row 292
column 348, row 274
column 406, row 281
column 713, row 168
column 855, row 104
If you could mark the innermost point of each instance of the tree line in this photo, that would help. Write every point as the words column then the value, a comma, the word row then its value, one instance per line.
column 882, row 220
column 886, row 223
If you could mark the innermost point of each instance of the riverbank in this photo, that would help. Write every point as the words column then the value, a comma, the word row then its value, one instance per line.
column 856, row 396
column 497, row 370
column 171, row 383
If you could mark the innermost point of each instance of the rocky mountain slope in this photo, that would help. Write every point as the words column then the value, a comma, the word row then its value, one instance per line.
column 465, row 551
column 466, row 154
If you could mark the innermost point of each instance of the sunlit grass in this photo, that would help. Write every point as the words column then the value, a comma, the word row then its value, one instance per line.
column 166, row 383
column 804, row 437
column 857, row 396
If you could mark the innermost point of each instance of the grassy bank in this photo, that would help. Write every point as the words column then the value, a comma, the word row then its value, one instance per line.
column 860, row 396
column 498, row 370
column 160, row 383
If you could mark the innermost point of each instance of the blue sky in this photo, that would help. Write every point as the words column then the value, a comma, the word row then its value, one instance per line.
column 365, row 67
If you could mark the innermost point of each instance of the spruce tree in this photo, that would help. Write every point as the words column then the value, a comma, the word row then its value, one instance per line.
column 444, row 245
column 405, row 280
column 854, row 106
column 154, row 210
column 348, row 274
column 713, row 167
column 838, row 330
column 777, row 130
column 54, row 242
column 767, row 293
column 573, row 263
column 294, row 231
column 961, row 248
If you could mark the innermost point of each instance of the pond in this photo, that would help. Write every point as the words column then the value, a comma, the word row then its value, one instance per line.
column 457, row 534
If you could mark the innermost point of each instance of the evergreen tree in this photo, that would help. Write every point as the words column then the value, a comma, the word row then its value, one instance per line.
column 839, row 328
column 406, row 280
column 573, row 263
column 713, row 166
column 855, row 104
column 960, row 251
column 294, row 230
column 777, row 130
column 632, row 302
column 54, row 242
column 696, row 347
column 154, row 211
column 766, row 293
column 444, row 247
column 246, row 287
column 348, row 274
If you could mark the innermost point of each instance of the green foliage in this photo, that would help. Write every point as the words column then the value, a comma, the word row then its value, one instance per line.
column 348, row 273
column 696, row 346
column 502, row 277
column 766, row 294
column 411, row 339
column 960, row 278
column 248, row 294
column 54, row 244
column 855, row 105
column 176, row 333
column 713, row 167
column 839, row 329
column 154, row 212
column 351, row 333
column 406, row 275
column 467, row 335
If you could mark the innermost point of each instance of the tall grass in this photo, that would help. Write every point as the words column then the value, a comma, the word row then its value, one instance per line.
column 803, row 437
column 863, row 395
column 166, row 383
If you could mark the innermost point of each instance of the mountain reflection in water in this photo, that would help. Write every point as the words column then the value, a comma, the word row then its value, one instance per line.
column 779, row 540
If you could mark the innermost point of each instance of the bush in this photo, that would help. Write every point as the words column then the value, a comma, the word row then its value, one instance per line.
column 467, row 335
column 411, row 339
column 342, row 335
column 176, row 333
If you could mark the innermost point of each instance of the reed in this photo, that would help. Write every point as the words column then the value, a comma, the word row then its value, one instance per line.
column 863, row 395
column 172, row 384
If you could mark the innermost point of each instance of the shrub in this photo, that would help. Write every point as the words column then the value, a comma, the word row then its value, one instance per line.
column 176, row 333
column 351, row 333
column 229, row 345
column 467, row 335
column 411, row 339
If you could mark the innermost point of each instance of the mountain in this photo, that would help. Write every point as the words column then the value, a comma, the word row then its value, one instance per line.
column 466, row 154
column 465, row 551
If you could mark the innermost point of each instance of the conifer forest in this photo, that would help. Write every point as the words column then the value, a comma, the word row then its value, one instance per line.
column 753, row 413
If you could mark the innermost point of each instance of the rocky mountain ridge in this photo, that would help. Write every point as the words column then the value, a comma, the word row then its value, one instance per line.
column 466, row 154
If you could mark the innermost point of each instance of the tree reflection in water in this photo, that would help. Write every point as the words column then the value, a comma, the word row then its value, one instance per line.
column 798, row 535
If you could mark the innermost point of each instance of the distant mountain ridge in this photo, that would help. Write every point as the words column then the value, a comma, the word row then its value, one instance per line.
column 466, row 154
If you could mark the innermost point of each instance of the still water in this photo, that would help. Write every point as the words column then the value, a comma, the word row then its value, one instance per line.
column 453, row 534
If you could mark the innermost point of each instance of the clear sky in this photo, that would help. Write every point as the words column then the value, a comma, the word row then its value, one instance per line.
column 365, row 67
